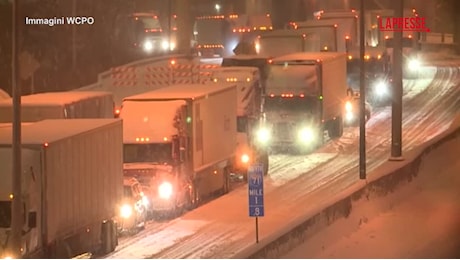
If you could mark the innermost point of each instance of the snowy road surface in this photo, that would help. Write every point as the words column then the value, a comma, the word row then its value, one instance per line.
column 300, row 185
column 420, row 220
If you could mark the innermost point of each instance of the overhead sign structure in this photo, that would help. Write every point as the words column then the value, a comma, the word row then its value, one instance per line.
column 256, row 191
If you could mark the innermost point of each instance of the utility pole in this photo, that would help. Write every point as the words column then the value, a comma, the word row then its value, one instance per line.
column 396, row 106
column 362, row 98
column 169, row 23
column 16, row 211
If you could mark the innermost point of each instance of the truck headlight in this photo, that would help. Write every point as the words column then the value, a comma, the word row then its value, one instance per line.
column 263, row 135
column 306, row 135
column 245, row 158
column 165, row 45
column 381, row 88
column 165, row 190
column 349, row 116
column 414, row 64
column 126, row 211
column 148, row 46
column 257, row 47
column 145, row 201
column 348, row 106
column 172, row 46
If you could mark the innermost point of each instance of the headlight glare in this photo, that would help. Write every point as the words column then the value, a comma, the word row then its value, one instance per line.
column 348, row 106
column 414, row 64
column 263, row 135
column 245, row 158
column 148, row 46
column 126, row 211
column 165, row 190
column 306, row 135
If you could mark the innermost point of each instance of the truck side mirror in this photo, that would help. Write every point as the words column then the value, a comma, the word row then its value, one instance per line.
column 32, row 223
column 349, row 92
column 183, row 149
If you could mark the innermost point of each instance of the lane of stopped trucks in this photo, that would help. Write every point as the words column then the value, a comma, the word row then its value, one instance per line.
column 180, row 154
column 328, row 31
column 178, row 141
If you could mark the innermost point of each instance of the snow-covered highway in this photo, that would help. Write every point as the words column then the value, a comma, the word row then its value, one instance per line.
column 300, row 185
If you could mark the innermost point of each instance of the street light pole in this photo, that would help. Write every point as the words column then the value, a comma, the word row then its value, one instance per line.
column 396, row 106
column 362, row 99
column 16, row 209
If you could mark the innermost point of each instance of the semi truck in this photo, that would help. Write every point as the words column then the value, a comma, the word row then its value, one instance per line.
column 180, row 141
column 213, row 35
column 378, row 74
column 71, row 187
column 306, row 95
column 249, row 108
column 337, row 31
column 302, row 40
column 60, row 105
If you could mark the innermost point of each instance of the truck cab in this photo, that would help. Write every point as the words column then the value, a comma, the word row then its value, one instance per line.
column 305, row 97
column 378, row 75
column 249, row 104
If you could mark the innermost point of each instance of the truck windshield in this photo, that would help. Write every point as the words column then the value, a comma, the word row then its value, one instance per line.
column 373, row 66
column 260, row 63
column 5, row 214
column 276, row 104
column 406, row 42
column 148, row 22
column 152, row 153
column 210, row 31
column 270, row 46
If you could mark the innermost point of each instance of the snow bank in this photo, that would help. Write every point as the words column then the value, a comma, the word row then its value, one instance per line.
column 383, row 181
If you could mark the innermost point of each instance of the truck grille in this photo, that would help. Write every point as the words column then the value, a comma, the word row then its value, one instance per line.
column 283, row 131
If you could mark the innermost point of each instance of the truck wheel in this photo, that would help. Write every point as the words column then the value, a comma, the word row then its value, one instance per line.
column 336, row 128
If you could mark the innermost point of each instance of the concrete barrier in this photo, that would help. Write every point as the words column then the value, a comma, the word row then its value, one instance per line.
column 381, row 182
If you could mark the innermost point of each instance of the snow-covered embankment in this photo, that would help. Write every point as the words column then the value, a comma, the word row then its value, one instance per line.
column 385, row 180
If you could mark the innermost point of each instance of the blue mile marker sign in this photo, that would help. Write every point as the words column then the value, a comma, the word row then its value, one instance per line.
column 256, row 190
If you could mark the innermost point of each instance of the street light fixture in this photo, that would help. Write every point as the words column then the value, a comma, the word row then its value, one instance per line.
column 217, row 7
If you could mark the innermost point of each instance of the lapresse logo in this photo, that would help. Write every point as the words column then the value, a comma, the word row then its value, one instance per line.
column 399, row 24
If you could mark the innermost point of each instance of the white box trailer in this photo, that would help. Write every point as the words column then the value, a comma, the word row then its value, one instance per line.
column 249, row 104
column 60, row 105
column 180, row 140
column 268, row 44
column 71, row 186
column 305, row 96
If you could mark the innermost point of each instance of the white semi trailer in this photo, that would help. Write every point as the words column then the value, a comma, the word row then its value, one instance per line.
column 71, row 187
column 180, row 142
column 60, row 105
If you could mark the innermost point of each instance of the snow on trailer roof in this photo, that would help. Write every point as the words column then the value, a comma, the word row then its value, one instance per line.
column 52, row 130
column 313, row 56
column 181, row 92
column 315, row 23
column 281, row 33
column 247, row 57
column 56, row 98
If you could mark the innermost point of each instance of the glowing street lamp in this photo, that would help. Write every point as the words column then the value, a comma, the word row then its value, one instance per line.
column 217, row 7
